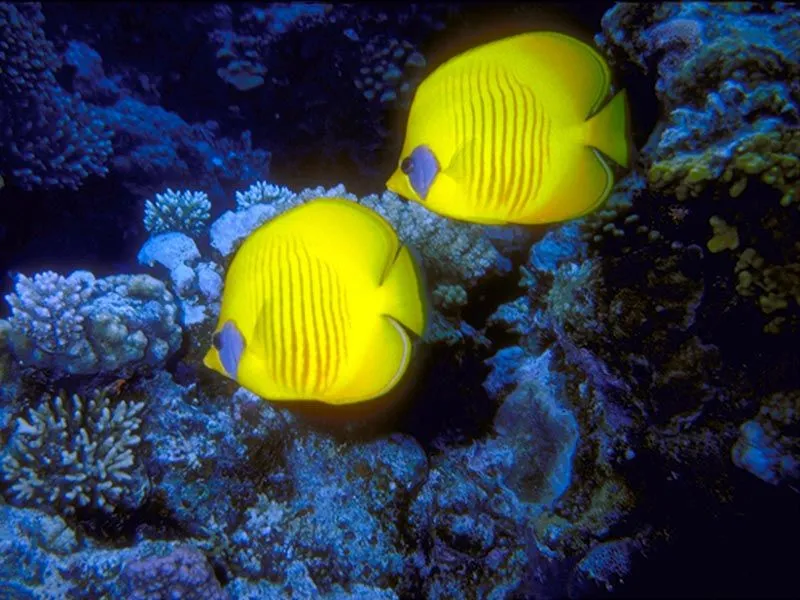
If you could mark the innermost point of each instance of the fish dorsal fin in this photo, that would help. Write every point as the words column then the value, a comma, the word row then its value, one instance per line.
column 567, row 73
column 350, row 237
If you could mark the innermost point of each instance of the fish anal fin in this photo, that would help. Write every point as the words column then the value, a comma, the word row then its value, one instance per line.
column 385, row 359
column 584, row 187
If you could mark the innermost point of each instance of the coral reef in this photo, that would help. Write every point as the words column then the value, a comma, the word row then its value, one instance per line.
column 79, row 324
column 580, row 402
column 70, row 454
column 453, row 252
column 769, row 444
column 261, row 191
column 196, row 284
column 51, row 139
column 177, row 211
column 730, row 131
column 183, row 573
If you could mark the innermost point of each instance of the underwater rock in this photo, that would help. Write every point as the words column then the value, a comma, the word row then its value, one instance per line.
column 197, row 285
column 183, row 573
column 542, row 432
column 769, row 445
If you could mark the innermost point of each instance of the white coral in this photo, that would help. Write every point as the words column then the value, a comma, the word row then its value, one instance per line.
column 261, row 191
column 45, row 316
column 457, row 252
column 74, row 456
column 185, row 211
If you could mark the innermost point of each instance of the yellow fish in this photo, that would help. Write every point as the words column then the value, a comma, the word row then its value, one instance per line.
column 508, row 132
column 319, row 304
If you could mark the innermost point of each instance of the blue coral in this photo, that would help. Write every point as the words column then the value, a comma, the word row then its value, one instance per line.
column 51, row 139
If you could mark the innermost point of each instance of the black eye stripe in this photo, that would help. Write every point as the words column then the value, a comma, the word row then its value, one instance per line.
column 216, row 340
column 406, row 165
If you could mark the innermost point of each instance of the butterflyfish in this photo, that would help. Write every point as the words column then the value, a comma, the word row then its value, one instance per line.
column 515, row 131
column 321, row 303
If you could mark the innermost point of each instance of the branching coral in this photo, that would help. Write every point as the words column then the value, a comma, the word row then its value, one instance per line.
column 71, row 454
column 454, row 252
column 78, row 324
column 261, row 191
column 177, row 211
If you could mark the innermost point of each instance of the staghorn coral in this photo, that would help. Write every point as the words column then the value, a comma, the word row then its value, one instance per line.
column 71, row 454
column 177, row 211
column 79, row 324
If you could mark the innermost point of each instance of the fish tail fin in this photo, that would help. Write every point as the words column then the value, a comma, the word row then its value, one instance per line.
column 609, row 130
column 404, row 293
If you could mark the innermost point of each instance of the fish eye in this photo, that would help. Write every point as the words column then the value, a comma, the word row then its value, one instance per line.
column 216, row 341
column 407, row 165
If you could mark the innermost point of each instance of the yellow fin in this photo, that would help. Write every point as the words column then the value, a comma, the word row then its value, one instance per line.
column 458, row 167
column 609, row 130
column 391, row 346
column 562, row 65
column 403, row 292
column 585, row 187
column 358, row 228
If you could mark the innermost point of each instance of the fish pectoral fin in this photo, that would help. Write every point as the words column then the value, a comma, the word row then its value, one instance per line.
column 459, row 166
column 258, row 342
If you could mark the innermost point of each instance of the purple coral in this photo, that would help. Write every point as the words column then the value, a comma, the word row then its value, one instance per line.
column 184, row 573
